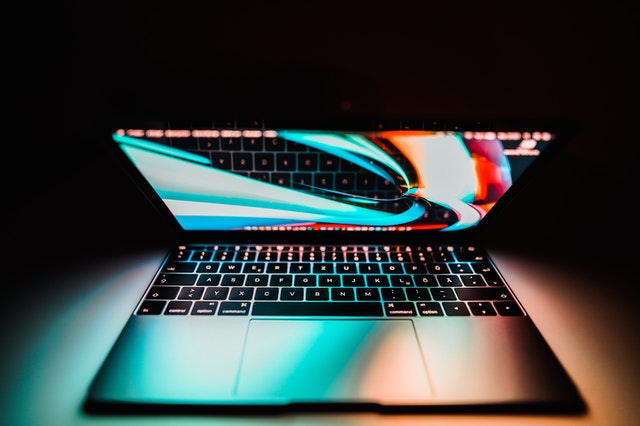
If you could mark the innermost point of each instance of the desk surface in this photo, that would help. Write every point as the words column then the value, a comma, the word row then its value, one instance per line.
column 55, row 343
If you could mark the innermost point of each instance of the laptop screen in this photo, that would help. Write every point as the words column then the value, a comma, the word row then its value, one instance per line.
column 290, row 179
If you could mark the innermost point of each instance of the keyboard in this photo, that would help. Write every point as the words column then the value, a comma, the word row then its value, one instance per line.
column 332, row 280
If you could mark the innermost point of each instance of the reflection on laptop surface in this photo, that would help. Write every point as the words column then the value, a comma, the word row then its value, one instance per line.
column 331, row 266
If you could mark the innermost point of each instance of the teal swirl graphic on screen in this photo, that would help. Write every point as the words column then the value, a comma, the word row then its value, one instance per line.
column 422, row 169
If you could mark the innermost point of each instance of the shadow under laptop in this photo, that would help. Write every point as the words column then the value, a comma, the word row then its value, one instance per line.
column 574, row 409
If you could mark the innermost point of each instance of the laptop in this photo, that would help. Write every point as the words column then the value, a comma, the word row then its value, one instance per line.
column 330, row 265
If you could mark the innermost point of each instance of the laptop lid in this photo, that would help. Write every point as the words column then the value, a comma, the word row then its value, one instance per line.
column 261, row 180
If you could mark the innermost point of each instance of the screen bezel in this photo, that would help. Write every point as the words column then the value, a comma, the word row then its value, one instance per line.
column 562, row 130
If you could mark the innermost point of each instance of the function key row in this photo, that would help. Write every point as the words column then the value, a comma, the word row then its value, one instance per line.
column 327, row 253
column 318, row 256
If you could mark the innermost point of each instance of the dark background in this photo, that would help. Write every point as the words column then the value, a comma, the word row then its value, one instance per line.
column 68, row 211
column 84, row 62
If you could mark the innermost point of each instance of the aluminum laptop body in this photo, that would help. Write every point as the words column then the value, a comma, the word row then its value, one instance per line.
column 330, row 265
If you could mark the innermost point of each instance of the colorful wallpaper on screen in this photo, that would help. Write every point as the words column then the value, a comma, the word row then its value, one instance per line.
column 366, row 181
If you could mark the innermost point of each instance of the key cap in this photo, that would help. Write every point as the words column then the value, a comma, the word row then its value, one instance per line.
column 368, row 294
column 234, row 308
column 162, row 292
column 508, row 308
column 430, row 309
column 178, row 308
column 318, row 308
column 216, row 293
column 292, row 294
column 204, row 308
column 443, row 294
column 448, row 280
column 342, row 293
column 418, row 294
column 151, row 307
column 241, row 293
column 471, row 280
column 401, row 309
column 180, row 267
column 393, row 294
column 482, row 308
column 455, row 308
column 190, row 293
column 182, row 279
column 317, row 294
column 492, row 293
column 267, row 293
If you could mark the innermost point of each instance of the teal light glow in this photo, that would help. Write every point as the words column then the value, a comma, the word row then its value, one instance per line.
column 369, row 360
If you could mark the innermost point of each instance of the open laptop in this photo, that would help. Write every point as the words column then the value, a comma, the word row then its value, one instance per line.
column 330, row 265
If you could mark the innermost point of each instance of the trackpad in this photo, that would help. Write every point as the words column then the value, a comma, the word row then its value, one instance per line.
column 333, row 361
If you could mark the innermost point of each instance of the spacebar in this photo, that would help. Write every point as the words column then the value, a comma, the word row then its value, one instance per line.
column 318, row 308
